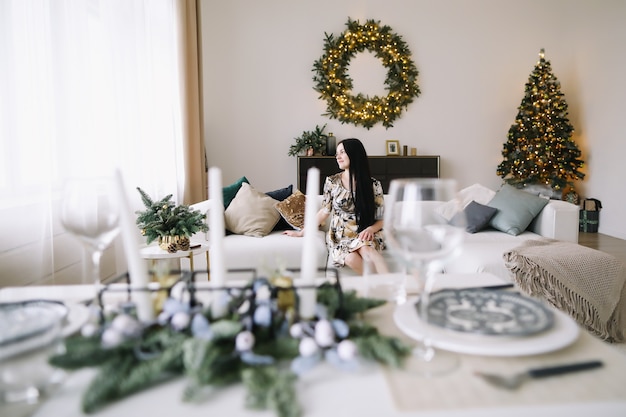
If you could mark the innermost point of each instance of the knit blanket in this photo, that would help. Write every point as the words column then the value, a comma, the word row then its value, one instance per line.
column 585, row 283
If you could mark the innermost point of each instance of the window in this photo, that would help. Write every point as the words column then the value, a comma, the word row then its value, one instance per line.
column 87, row 87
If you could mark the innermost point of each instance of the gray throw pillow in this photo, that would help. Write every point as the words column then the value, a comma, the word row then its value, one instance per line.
column 516, row 209
column 477, row 216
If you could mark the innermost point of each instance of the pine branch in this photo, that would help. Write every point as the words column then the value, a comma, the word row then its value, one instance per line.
column 104, row 388
column 148, row 372
column 347, row 305
column 83, row 352
column 267, row 387
column 210, row 362
column 384, row 349
column 145, row 198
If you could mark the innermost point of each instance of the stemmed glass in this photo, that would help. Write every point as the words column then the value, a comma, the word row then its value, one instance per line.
column 90, row 212
column 423, row 241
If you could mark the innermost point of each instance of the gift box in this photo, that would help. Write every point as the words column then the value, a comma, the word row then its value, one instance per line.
column 589, row 221
column 592, row 204
column 589, row 218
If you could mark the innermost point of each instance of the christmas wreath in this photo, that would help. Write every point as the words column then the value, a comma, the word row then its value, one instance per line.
column 249, row 344
column 334, row 84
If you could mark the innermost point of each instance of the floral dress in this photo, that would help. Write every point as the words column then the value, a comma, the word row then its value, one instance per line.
column 343, row 229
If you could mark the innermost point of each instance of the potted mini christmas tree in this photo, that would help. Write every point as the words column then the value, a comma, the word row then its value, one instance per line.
column 310, row 143
column 172, row 225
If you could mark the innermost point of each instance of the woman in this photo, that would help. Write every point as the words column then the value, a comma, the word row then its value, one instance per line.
column 355, row 200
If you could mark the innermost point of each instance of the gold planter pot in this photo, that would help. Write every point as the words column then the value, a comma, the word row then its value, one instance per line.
column 174, row 243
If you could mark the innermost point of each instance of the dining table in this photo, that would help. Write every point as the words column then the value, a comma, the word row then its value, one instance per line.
column 374, row 389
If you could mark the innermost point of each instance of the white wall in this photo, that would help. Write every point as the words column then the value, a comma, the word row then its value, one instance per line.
column 474, row 58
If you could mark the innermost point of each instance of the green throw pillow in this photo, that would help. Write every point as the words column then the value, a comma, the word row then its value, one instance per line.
column 516, row 209
column 230, row 191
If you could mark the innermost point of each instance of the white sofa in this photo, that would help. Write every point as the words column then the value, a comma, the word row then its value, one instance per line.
column 482, row 251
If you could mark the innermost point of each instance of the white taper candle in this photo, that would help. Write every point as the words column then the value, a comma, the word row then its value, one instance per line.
column 216, row 233
column 309, row 259
column 137, row 269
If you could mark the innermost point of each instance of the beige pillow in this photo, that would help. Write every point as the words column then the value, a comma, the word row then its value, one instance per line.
column 251, row 213
column 292, row 209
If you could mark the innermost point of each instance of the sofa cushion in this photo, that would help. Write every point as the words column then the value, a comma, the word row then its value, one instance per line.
column 516, row 209
column 275, row 251
column 477, row 216
column 475, row 192
column 280, row 195
column 230, row 191
column 251, row 213
column 292, row 209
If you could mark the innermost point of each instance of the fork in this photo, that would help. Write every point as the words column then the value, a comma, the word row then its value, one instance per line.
column 513, row 382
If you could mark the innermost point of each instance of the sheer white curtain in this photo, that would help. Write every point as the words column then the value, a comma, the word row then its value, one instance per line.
column 87, row 86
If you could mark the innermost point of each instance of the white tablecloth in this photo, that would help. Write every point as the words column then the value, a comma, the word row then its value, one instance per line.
column 374, row 391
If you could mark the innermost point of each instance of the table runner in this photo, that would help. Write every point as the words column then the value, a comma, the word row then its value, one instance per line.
column 462, row 389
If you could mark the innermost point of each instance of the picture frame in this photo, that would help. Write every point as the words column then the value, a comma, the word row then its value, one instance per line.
column 393, row 147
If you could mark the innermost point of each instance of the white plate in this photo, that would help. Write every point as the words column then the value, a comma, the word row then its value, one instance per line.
column 564, row 332
column 25, row 319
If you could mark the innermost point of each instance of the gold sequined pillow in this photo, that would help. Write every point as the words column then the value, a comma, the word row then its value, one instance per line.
column 292, row 209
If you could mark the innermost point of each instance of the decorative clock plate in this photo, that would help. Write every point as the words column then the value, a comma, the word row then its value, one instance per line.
column 487, row 312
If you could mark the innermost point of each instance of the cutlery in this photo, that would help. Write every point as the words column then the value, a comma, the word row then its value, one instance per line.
column 513, row 382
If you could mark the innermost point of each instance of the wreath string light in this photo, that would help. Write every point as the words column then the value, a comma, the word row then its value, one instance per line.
column 334, row 84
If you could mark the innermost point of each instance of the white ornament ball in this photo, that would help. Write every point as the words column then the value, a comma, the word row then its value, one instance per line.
column 324, row 334
column 89, row 330
column 180, row 320
column 263, row 293
column 308, row 347
column 347, row 350
column 162, row 318
column 296, row 331
column 244, row 341
column 112, row 337
column 126, row 325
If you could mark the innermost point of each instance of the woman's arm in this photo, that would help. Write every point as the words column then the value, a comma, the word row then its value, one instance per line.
column 369, row 232
column 320, row 217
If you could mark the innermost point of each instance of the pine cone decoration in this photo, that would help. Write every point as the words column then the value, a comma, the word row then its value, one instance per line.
column 172, row 247
column 183, row 243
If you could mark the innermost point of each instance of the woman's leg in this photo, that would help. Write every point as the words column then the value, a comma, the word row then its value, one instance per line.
column 355, row 262
column 375, row 258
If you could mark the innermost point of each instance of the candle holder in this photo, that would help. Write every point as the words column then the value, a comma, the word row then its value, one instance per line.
column 260, row 335
column 280, row 293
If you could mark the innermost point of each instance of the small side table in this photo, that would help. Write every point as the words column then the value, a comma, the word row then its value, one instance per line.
column 154, row 253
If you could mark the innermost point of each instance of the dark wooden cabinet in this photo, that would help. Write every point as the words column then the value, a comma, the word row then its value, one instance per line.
column 383, row 168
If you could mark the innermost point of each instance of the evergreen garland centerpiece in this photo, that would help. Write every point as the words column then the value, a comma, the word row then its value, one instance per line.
column 539, row 149
column 259, row 342
column 171, row 224
column 335, row 85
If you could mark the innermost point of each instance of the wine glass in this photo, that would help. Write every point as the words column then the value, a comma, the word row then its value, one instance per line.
column 422, row 241
column 90, row 212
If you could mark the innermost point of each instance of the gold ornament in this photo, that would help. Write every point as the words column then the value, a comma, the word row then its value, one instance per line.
column 286, row 297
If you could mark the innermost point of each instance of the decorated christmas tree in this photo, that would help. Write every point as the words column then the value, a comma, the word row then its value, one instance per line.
column 539, row 149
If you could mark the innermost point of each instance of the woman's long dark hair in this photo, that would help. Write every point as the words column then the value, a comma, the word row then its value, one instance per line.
column 365, row 208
